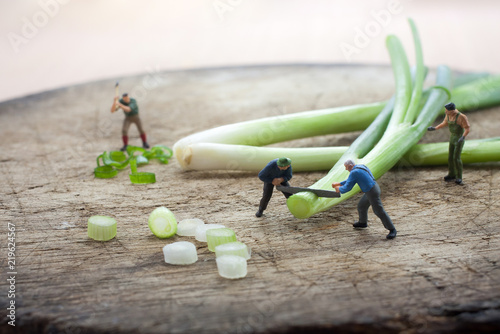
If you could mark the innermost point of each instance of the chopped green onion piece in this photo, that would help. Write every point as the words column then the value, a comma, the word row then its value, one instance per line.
column 231, row 266
column 162, row 223
column 108, row 161
column 219, row 236
column 131, row 149
column 187, row 227
column 181, row 252
column 105, row 172
column 201, row 231
column 233, row 248
column 142, row 177
column 101, row 228
column 118, row 156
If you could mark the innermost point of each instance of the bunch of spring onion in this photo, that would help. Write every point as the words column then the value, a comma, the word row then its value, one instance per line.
column 237, row 146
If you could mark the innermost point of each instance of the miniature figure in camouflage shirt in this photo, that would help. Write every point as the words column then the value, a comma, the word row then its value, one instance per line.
column 459, row 129
column 131, row 111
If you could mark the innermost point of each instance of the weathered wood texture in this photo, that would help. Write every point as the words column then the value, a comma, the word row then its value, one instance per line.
column 441, row 274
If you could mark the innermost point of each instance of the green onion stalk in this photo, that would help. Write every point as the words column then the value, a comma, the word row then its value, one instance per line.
column 192, row 153
column 405, row 128
column 237, row 146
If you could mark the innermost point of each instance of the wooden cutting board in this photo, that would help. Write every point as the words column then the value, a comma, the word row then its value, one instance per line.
column 316, row 275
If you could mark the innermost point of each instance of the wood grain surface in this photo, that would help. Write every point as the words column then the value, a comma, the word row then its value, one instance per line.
column 441, row 274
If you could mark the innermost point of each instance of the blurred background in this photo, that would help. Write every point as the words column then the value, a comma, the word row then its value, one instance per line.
column 47, row 44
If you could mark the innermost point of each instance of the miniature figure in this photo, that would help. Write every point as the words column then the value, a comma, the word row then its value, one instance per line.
column 362, row 175
column 131, row 111
column 277, row 172
column 459, row 129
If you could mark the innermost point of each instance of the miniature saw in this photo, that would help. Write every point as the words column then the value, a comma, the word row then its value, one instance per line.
column 317, row 192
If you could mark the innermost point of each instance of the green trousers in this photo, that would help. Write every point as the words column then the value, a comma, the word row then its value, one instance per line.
column 455, row 165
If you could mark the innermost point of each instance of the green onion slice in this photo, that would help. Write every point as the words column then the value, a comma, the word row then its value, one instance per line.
column 105, row 172
column 101, row 228
column 142, row 177
column 118, row 156
column 219, row 236
column 162, row 223
column 233, row 248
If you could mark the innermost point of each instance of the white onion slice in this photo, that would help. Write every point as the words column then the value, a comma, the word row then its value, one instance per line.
column 187, row 227
column 181, row 252
column 233, row 248
column 201, row 231
column 231, row 266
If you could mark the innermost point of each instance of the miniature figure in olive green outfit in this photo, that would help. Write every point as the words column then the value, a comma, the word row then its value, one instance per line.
column 131, row 111
column 459, row 129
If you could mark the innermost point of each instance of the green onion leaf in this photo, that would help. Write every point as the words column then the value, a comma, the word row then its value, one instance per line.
column 201, row 231
column 142, row 177
column 187, row 227
column 105, row 172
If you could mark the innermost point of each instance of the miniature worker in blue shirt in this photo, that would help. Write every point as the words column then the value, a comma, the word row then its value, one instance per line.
column 277, row 172
column 362, row 175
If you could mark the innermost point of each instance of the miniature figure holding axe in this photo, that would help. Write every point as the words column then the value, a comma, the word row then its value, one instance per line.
column 131, row 111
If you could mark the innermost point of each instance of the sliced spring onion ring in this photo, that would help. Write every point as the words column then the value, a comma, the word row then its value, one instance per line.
column 105, row 172
column 108, row 161
column 233, row 248
column 142, row 177
column 101, row 228
column 201, row 231
column 219, row 236
column 118, row 156
column 162, row 223
column 231, row 266
column 187, row 227
column 181, row 252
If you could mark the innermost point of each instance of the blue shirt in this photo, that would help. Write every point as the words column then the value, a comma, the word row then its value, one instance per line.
column 272, row 171
column 361, row 175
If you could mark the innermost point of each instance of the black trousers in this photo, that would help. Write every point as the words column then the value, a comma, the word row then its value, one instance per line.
column 372, row 198
column 268, row 192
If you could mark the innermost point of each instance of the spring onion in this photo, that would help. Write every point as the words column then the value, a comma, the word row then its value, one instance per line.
column 201, row 231
column 399, row 136
column 474, row 151
column 219, row 236
column 162, row 223
column 233, row 248
column 187, row 227
column 230, row 147
column 231, row 266
column 180, row 253
column 101, row 228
